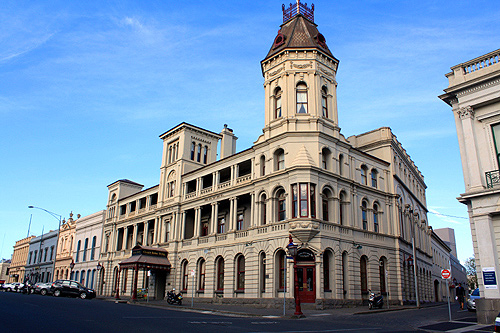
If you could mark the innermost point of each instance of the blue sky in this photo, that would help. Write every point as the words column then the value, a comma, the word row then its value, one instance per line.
column 87, row 87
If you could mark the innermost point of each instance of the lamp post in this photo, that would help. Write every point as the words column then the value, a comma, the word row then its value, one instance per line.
column 293, row 249
column 57, row 217
column 71, row 266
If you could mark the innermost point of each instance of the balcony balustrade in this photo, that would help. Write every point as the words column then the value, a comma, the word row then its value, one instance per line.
column 492, row 178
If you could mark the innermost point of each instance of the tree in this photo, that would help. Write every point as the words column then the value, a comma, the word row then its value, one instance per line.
column 470, row 267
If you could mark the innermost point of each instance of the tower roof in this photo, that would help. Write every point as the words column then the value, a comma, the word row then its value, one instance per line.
column 298, row 31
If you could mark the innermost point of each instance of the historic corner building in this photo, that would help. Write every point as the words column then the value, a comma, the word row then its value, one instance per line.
column 353, row 205
column 474, row 95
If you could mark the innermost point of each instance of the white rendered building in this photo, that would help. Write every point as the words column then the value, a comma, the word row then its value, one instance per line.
column 474, row 95
column 353, row 205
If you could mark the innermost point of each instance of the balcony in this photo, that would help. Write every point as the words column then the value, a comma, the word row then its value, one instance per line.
column 492, row 178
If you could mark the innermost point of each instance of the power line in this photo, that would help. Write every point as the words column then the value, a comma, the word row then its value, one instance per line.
column 455, row 217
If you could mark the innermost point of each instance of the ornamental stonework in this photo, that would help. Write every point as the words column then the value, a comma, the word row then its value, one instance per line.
column 465, row 112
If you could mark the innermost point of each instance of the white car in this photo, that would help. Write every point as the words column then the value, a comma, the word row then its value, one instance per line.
column 14, row 286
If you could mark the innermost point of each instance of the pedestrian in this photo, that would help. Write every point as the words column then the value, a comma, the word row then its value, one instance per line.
column 460, row 292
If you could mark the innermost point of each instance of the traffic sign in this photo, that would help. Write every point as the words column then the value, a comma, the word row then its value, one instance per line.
column 445, row 274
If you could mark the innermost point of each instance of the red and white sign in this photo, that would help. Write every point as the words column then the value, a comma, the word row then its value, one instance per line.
column 445, row 274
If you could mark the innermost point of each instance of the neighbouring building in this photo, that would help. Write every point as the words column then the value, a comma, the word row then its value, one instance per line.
column 4, row 269
column 441, row 260
column 41, row 256
column 474, row 95
column 355, row 206
column 19, row 259
column 458, row 271
column 87, row 249
column 64, row 256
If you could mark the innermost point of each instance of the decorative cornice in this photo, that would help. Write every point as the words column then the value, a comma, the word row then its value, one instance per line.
column 466, row 112
column 478, row 88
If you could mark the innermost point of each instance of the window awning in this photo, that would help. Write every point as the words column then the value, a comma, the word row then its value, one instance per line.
column 148, row 258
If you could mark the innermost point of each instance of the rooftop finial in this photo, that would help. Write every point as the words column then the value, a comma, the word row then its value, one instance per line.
column 298, row 9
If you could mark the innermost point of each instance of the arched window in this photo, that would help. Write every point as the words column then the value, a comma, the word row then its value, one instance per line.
column 364, row 171
column 185, row 277
column 363, row 274
column 324, row 101
column 301, row 98
column 77, row 275
column 375, row 217
column 193, row 147
column 262, row 165
column 92, row 250
column 374, row 178
column 327, row 256
column 91, row 286
column 198, row 157
column 263, row 209
column 82, row 277
column 84, row 257
column 325, row 158
column 78, row 245
column 205, row 155
column 382, row 270
column 277, row 103
column 279, row 159
column 170, row 154
column 280, row 258
column 88, row 278
column 364, row 216
column 281, row 205
column 220, row 273
column 201, row 274
column 341, row 164
column 341, row 207
column 325, row 203
column 345, row 274
column 240, row 273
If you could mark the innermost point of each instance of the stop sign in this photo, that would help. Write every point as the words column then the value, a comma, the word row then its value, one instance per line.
column 445, row 274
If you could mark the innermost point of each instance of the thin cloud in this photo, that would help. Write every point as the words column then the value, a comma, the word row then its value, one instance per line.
column 24, row 49
column 444, row 218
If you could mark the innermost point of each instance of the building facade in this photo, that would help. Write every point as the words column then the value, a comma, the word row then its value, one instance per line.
column 41, row 256
column 441, row 260
column 355, row 206
column 87, row 249
column 474, row 95
column 19, row 259
column 4, row 269
column 64, row 256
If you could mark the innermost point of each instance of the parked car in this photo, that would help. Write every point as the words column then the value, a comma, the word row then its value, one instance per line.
column 14, row 286
column 42, row 288
column 71, row 288
column 471, row 301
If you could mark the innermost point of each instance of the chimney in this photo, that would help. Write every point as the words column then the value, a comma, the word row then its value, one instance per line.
column 228, row 142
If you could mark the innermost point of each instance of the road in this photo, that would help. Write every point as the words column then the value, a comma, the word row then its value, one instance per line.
column 35, row 313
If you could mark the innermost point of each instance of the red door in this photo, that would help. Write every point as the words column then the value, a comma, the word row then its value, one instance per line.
column 306, row 276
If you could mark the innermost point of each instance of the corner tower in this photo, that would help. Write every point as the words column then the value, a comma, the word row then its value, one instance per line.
column 300, row 77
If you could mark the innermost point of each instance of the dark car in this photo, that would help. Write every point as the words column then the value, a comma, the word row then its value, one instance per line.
column 71, row 288
column 42, row 288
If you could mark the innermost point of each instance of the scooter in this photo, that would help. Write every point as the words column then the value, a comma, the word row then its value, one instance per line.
column 173, row 298
column 375, row 301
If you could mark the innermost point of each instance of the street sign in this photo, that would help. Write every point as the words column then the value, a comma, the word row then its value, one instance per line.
column 445, row 274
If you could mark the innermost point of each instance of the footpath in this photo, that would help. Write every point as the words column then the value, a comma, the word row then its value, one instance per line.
column 466, row 324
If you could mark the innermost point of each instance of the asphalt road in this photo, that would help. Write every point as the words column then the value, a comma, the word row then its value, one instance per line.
column 35, row 313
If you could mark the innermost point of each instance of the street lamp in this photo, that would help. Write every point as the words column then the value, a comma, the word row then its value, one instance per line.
column 292, row 250
column 71, row 266
column 410, row 213
column 57, row 217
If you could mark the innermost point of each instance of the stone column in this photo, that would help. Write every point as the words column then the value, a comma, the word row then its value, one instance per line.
column 215, row 213
column 182, row 225
column 145, row 234
column 134, row 235
column 125, row 236
column 197, row 221
column 252, row 209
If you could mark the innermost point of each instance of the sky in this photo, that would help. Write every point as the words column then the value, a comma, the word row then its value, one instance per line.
column 87, row 87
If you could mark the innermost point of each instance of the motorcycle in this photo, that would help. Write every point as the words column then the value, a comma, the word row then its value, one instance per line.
column 173, row 298
column 375, row 300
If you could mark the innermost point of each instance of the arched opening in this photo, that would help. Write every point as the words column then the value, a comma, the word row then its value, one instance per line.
column 326, row 158
column 240, row 273
column 301, row 91
column 279, row 159
column 324, row 101
column 219, row 269
column 363, row 272
column 277, row 103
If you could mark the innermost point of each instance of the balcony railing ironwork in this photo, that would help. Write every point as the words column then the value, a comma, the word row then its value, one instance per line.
column 296, row 9
column 492, row 178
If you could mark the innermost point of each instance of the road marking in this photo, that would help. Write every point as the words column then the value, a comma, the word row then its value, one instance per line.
column 321, row 314
column 263, row 322
column 359, row 329
column 270, row 316
column 211, row 322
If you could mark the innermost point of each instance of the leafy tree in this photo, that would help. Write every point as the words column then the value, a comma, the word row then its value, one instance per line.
column 470, row 267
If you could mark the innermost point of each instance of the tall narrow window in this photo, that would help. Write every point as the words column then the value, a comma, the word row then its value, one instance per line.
column 78, row 245
column 84, row 257
column 364, row 216
column 304, row 212
column 324, row 102
column 221, row 225
column 281, row 268
column 375, row 217
column 312, row 191
column 92, row 250
column 205, row 155
column 240, row 270
column 382, row 274
column 374, row 178
column 325, row 158
column 185, row 275
column 363, row 273
column 341, row 207
column 341, row 164
column 326, row 270
column 295, row 197
column 263, row 211
column 325, row 207
column 204, row 228
column 239, row 222
column 277, row 103
column 281, row 205
column 220, row 274
column 193, row 147
column 262, row 274
column 51, row 252
column 262, row 165
column 279, row 160
column 201, row 279
column 198, row 157
column 364, row 170
column 301, row 98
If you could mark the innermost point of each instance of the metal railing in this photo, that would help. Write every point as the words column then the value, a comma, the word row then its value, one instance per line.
column 492, row 178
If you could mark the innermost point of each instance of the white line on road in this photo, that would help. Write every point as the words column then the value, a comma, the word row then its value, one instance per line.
column 321, row 314
column 359, row 329
column 263, row 322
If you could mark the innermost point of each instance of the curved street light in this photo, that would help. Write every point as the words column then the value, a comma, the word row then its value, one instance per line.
column 57, row 217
